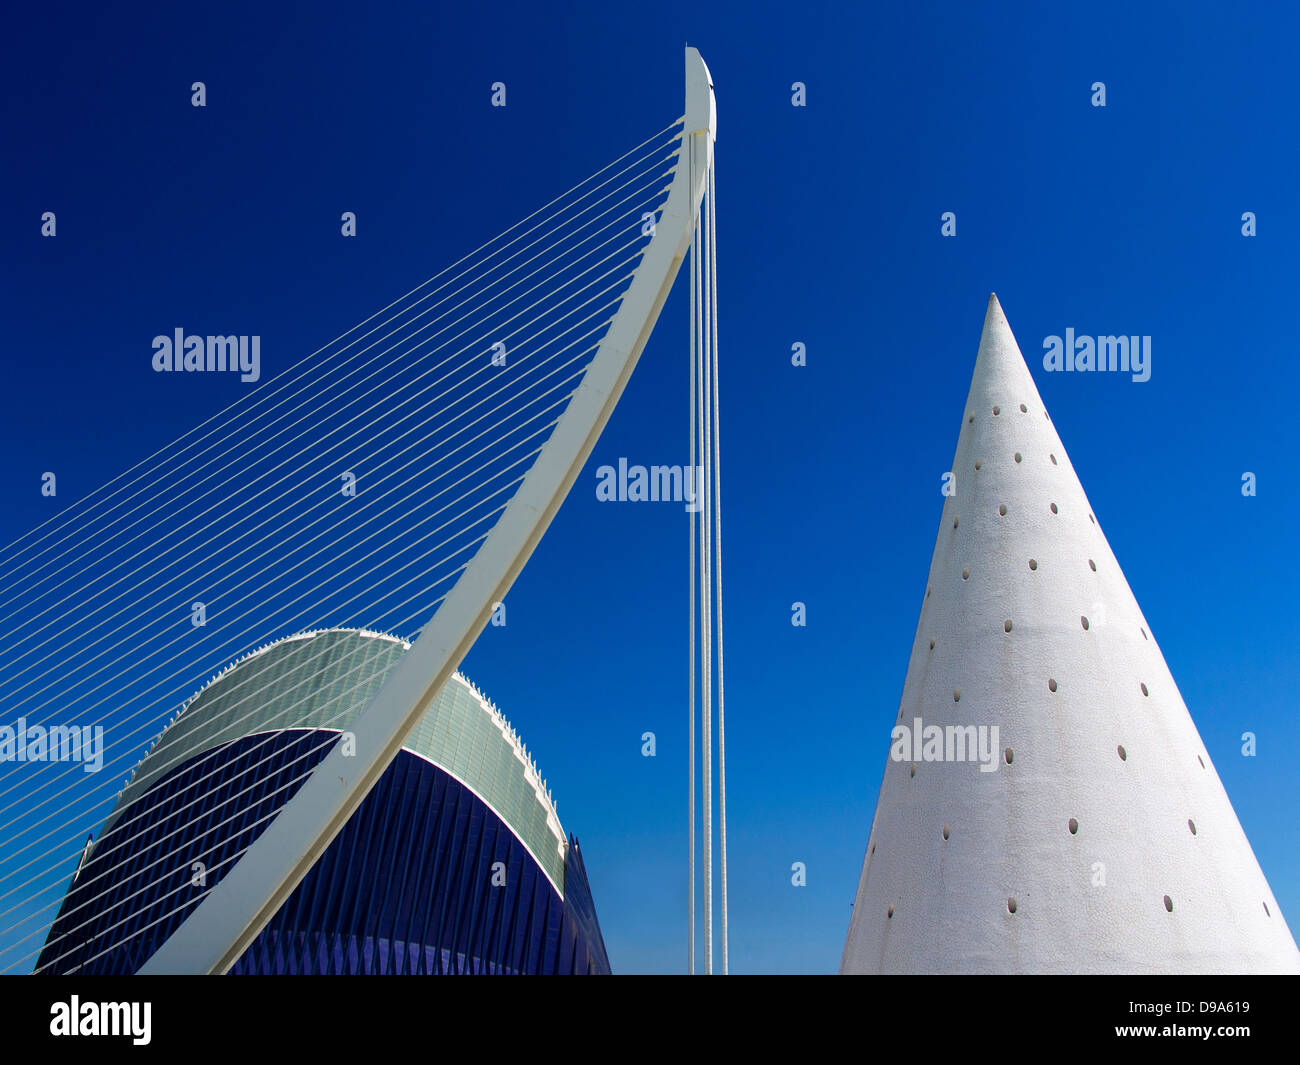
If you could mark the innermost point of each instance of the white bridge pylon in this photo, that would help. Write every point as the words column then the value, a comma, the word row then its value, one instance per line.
column 231, row 916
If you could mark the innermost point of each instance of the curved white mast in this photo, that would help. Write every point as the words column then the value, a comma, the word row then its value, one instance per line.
column 221, row 928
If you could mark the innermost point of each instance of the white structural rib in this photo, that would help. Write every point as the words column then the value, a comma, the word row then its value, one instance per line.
column 231, row 916
column 1098, row 838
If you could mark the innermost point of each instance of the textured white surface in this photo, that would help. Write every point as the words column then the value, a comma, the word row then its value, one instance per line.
column 930, row 904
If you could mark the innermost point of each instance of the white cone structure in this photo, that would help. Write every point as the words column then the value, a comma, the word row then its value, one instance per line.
column 1096, row 836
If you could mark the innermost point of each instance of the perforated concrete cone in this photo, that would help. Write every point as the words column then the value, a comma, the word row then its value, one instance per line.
column 1095, row 834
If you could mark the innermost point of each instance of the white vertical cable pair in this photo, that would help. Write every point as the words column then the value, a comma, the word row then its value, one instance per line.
column 706, row 537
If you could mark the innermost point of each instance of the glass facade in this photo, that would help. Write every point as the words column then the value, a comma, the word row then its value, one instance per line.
column 454, row 863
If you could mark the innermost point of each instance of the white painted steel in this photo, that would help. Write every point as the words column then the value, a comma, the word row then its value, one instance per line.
column 930, row 904
column 712, row 213
column 237, row 909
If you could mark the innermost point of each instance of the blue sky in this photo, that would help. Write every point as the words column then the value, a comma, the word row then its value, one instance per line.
column 1123, row 219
